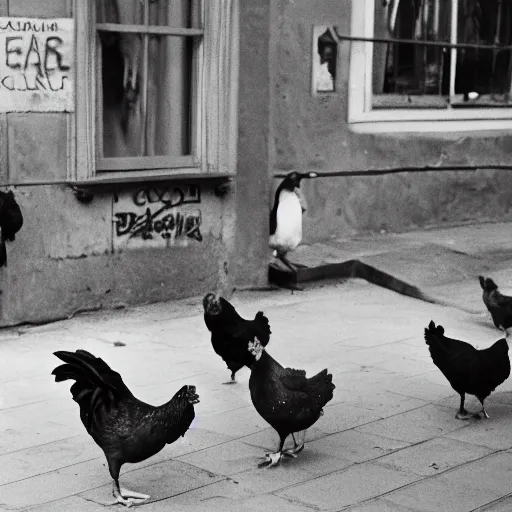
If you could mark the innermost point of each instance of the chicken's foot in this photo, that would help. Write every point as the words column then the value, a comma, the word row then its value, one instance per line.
column 464, row 415
column 271, row 460
column 127, row 497
column 232, row 381
column 287, row 262
column 132, row 494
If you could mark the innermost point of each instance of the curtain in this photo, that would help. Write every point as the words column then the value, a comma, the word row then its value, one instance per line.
column 131, row 125
column 220, row 62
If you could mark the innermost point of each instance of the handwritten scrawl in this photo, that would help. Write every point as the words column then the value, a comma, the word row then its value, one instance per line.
column 169, row 226
column 158, row 213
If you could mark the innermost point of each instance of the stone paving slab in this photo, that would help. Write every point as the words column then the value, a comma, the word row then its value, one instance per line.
column 357, row 446
column 439, row 494
column 357, row 483
column 416, row 425
column 434, row 456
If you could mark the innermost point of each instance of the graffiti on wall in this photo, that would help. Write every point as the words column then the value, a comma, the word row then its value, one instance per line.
column 158, row 216
column 36, row 64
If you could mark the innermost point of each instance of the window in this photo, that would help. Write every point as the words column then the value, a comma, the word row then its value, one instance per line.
column 156, row 89
column 407, row 83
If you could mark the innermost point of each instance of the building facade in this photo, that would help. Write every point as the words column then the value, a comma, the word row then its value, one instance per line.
column 141, row 139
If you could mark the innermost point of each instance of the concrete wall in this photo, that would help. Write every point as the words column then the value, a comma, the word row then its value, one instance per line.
column 311, row 133
column 70, row 256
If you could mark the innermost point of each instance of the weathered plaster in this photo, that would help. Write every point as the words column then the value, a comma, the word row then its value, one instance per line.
column 63, row 259
column 37, row 148
column 38, row 8
column 311, row 133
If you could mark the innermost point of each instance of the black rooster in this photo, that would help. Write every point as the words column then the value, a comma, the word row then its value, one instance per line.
column 126, row 429
column 286, row 399
column 500, row 306
column 231, row 332
column 11, row 221
column 472, row 371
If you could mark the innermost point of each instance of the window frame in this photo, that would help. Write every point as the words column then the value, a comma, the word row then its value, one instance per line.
column 214, row 104
column 363, row 118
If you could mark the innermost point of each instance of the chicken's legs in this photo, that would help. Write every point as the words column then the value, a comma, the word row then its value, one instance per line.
column 123, row 496
column 463, row 414
column 483, row 412
column 298, row 447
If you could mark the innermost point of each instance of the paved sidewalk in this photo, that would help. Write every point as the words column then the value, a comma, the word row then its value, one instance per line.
column 389, row 440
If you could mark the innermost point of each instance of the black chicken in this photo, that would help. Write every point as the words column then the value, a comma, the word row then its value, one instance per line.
column 286, row 399
column 126, row 429
column 231, row 332
column 472, row 371
column 11, row 221
column 500, row 306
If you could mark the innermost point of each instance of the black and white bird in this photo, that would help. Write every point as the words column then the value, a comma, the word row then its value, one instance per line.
column 286, row 217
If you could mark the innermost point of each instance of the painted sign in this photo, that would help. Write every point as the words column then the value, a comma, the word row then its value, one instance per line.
column 36, row 60
column 158, row 216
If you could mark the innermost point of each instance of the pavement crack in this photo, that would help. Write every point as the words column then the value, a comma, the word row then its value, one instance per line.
column 296, row 501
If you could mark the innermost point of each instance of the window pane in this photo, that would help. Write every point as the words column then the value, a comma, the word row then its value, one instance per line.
column 483, row 74
column 126, row 12
column 175, row 13
column 172, row 13
column 410, row 69
column 146, row 95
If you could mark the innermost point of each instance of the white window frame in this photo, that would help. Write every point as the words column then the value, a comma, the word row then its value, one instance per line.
column 215, row 105
column 361, row 116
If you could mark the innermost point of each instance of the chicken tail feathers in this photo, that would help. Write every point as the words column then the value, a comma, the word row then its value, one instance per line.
column 321, row 388
column 264, row 326
column 97, row 387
